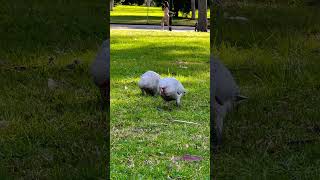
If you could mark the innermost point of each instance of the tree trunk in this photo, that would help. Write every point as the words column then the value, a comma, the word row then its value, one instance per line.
column 202, row 16
column 175, row 6
column 111, row 5
column 217, row 20
column 193, row 9
column 176, row 13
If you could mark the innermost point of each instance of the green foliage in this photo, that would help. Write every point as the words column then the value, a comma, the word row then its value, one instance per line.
column 177, row 6
column 132, row 2
column 183, row 6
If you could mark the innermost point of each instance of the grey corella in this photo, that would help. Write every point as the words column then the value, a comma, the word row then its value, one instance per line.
column 100, row 70
column 227, row 93
column 171, row 89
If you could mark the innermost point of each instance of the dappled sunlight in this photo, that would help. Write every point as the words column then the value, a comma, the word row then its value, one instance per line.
column 125, row 10
column 122, row 10
column 138, row 45
column 192, row 78
column 138, row 14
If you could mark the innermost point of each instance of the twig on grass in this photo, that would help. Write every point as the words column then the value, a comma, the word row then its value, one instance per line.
column 257, row 76
column 187, row 122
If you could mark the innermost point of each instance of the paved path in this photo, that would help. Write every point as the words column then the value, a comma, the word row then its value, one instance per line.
column 150, row 27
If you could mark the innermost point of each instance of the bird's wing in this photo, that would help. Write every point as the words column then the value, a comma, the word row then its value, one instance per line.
column 225, row 86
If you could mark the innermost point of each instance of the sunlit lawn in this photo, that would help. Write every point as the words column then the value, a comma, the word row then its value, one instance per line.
column 144, row 15
column 144, row 135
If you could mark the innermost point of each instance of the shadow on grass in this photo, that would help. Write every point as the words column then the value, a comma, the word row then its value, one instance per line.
column 33, row 29
column 271, row 58
column 267, row 25
column 50, row 134
column 139, row 58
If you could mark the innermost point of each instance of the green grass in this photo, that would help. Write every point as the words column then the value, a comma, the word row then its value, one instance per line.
column 61, row 133
column 138, row 15
column 144, row 137
column 44, row 133
column 275, row 59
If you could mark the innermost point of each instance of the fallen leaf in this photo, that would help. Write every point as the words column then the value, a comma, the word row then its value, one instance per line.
column 52, row 84
column 186, row 157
